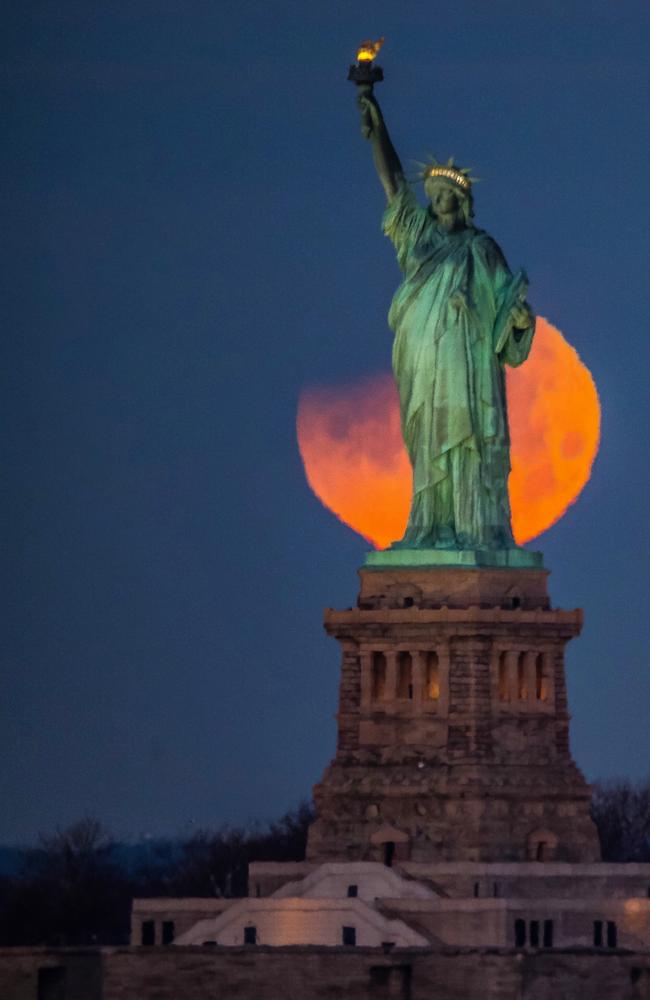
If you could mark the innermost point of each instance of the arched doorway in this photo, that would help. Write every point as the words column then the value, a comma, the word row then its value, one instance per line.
column 541, row 845
column 390, row 845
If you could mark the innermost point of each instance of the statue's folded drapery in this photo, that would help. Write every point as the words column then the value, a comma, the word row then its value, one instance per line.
column 453, row 336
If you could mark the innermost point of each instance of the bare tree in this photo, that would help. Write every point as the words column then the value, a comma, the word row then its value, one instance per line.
column 621, row 811
column 215, row 862
column 76, row 887
column 71, row 890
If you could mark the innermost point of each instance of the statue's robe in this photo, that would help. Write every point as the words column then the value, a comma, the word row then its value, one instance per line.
column 453, row 336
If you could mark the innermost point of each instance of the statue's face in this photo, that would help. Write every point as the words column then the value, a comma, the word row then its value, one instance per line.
column 444, row 199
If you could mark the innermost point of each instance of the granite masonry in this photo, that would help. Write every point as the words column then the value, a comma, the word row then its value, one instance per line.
column 453, row 726
column 318, row 973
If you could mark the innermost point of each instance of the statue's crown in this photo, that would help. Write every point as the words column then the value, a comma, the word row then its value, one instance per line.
column 459, row 175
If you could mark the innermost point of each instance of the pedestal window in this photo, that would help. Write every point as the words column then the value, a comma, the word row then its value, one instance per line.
column 405, row 676
column 432, row 677
column 378, row 676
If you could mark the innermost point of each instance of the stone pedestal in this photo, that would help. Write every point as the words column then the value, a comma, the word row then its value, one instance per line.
column 453, row 727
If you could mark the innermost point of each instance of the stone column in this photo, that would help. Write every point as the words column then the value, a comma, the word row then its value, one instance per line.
column 512, row 658
column 530, row 673
column 443, row 678
column 391, row 674
column 366, row 681
column 549, row 678
column 417, row 679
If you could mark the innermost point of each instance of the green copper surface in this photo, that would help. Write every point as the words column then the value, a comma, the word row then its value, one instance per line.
column 402, row 558
column 459, row 317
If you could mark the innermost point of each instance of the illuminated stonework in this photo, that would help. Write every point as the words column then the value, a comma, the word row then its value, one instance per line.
column 453, row 726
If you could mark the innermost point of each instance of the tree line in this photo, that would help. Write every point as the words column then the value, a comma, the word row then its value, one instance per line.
column 75, row 887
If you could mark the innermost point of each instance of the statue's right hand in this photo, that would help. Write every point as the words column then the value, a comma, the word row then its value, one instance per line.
column 370, row 113
column 367, row 102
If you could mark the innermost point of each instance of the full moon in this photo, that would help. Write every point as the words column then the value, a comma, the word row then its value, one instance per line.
column 355, row 462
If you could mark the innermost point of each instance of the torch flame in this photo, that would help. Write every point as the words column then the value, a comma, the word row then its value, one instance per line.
column 369, row 49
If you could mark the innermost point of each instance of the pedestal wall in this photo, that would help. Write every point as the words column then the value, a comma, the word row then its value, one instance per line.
column 453, row 726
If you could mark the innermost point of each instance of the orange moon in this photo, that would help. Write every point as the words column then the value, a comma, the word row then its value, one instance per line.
column 355, row 462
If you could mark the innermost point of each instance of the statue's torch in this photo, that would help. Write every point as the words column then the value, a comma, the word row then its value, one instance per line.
column 365, row 74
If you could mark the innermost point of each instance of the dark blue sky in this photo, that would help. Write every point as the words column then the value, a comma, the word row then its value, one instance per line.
column 190, row 236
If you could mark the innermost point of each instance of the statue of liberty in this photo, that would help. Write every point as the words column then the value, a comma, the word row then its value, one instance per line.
column 459, row 317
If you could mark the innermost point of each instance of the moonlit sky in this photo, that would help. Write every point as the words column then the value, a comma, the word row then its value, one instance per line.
column 191, row 235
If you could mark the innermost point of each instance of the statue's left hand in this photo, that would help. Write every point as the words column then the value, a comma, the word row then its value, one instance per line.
column 521, row 317
column 459, row 302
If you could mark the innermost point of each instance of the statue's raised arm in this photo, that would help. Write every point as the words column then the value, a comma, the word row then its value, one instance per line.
column 386, row 160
